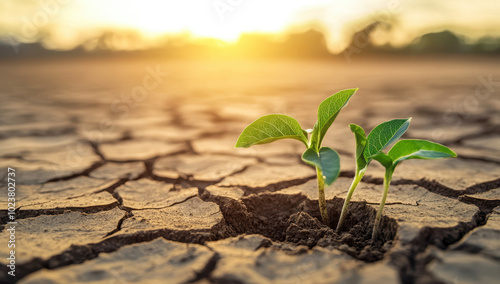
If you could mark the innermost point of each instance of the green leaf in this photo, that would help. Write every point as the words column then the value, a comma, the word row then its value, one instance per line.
column 419, row 149
column 359, row 134
column 327, row 160
column 328, row 111
column 384, row 159
column 383, row 135
column 269, row 128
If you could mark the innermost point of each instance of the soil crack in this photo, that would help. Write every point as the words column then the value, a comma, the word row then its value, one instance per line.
column 163, row 207
column 119, row 225
column 85, row 172
column 23, row 214
column 248, row 190
column 206, row 272
column 411, row 260
column 79, row 253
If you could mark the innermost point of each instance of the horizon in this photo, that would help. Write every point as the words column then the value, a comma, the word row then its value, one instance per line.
column 66, row 25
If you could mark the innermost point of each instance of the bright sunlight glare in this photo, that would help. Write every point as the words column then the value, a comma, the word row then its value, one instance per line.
column 221, row 19
column 65, row 24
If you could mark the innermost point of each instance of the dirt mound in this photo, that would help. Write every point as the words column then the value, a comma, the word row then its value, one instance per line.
column 296, row 219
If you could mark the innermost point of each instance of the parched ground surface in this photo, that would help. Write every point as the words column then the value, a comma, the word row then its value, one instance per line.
column 119, row 184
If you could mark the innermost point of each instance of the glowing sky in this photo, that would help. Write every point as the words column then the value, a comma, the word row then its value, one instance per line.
column 64, row 24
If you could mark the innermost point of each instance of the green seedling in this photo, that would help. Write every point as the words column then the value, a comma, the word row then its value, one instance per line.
column 273, row 127
column 379, row 138
column 401, row 151
column 370, row 148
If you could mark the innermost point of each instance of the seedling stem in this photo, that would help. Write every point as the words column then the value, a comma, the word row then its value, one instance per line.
column 321, row 197
column 357, row 178
column 378, row 218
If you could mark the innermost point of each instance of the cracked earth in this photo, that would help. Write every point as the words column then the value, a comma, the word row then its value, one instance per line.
column 115, row 188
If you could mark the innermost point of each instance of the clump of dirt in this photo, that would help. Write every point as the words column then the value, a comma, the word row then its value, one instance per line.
column 296, row 219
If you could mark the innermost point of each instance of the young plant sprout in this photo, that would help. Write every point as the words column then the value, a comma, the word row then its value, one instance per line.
column 273, row 127
column 405, row 150
column 370, row 148
column 380, row 137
